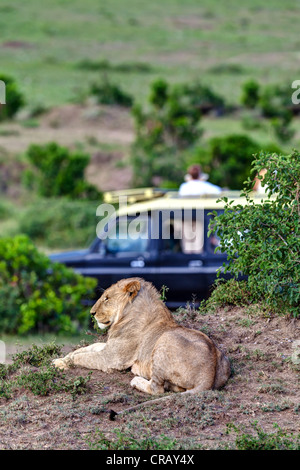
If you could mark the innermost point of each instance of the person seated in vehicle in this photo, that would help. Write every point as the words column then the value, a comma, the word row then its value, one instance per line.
column 196, row 184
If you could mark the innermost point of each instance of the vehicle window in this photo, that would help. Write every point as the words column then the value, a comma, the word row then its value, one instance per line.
column 184, row 236
column 171, row 237
column 193, row 236
column 127, row 236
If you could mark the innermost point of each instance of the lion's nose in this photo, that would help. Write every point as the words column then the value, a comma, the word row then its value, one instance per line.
column 92, row 312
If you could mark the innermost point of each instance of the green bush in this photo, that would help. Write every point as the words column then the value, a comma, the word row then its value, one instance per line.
column 231, row 158
column 14, row 98
column 58, row 172
column 228, row 159
column 110, row 94
column 274, row 102
column 262, row 240
column 250, row 94
column 60, row 223
column 159, row 93
column 37, row 295
column 226, row 293
column 106, row 66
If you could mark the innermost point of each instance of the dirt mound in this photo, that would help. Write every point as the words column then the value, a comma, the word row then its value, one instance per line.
column 264, row 387
column 88, row 116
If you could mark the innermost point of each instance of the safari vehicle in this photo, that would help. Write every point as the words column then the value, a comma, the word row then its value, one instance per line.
column 158, row 236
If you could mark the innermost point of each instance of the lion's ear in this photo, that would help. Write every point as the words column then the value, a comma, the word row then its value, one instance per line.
column 132, row 288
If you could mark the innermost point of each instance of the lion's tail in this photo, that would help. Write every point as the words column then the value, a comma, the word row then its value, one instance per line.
column 223, row 371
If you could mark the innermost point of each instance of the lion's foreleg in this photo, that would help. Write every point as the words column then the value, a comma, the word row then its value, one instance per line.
column 84, row 357
column 148, row 386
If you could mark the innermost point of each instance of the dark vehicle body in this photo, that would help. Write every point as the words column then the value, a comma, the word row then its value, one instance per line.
column 164, row 252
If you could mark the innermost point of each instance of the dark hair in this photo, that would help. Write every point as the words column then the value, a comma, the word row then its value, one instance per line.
column 194, row 171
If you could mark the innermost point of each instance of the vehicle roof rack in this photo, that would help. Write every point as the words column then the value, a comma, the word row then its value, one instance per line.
column 134, row 195
column 147, row 194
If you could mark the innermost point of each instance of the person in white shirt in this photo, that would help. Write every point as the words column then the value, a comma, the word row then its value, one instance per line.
column 257, row 185
column 196, row 185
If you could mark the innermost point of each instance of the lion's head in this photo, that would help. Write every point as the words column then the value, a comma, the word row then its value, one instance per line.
column 110, row 306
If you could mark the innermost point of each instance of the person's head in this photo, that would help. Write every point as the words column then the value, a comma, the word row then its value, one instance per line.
column 194, row 171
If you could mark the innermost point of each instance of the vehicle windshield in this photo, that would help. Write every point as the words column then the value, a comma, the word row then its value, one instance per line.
column 128, row 235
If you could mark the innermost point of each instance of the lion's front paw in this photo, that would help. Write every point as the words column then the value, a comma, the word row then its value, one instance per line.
column 134, row 382
column 140, row 384
column 61, row 364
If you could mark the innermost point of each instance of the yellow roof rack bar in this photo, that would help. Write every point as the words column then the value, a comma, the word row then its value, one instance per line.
column 133, row 195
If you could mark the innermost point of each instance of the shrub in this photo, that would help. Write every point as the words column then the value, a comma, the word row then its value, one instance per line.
column 58, row 172
column 202, row 97
column 37, row 295
column 274, row 102
column 14, row 98
column 106, row 66
column 228, row 159
column 250, row 94
column 159, row 93
column 110, row 94
column 231, row 158
column 60, row 223
column 225, row 293
column 262, row 240
column 224, row 68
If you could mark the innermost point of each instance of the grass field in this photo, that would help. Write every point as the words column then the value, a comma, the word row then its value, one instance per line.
column 56, row 49
column 221, row 43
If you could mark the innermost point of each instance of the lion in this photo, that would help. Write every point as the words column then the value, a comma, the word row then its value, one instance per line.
column 143, row 336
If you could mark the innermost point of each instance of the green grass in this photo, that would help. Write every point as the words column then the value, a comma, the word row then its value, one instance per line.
column 56, row 49
column 43, row 379
column 278, row 440
column 126, row 441
column 178, row 40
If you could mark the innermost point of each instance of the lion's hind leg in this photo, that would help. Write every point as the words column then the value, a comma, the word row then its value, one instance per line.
column 152, row 387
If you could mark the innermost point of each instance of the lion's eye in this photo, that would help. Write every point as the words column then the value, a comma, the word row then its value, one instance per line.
column 106, row 299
